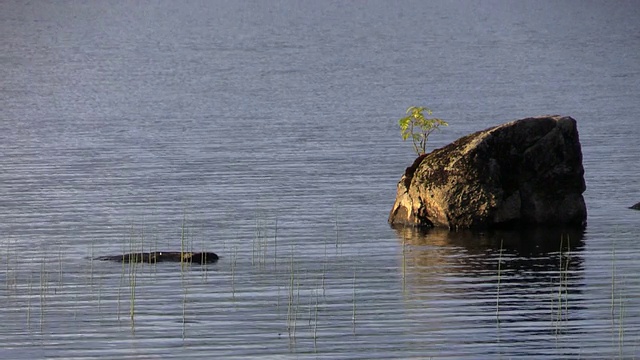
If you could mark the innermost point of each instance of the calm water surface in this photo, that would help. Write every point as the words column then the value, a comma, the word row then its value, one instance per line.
column 266, row 132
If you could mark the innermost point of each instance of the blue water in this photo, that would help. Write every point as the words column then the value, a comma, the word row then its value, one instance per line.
column 266, row 132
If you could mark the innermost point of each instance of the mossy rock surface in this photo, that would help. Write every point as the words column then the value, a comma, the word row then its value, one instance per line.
column 163, row 256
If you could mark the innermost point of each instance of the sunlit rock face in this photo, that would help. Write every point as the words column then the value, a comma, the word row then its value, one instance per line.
column 525, row 172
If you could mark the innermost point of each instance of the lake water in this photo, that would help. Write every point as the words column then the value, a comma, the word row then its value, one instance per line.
column 266, row 132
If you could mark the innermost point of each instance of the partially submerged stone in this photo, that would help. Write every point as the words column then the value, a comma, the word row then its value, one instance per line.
column 636, row 206
column 163, row 256
column 525, row 172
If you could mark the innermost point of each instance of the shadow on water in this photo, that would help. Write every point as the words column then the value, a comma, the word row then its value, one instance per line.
column 526, row 281
column 527, row 242
column 534, row 252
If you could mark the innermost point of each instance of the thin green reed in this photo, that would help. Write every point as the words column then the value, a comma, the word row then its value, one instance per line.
column 233, row 264
column 260, row 241
column 122, row 279
column 184, row 309
column 265, row 244
column 11, row 271
column 99, row 279
column 132, row 296
column 91, row 263
column 559, row 294
column 617, row 302
column 353, row 316
column 60, row 280
column 42, row 292
column 275, row 263
column 297, row 306
column 29, row 301
column 132, row 278
column 404, row 261
column 315, row 321
column 205, row 271
column 613, row 276
column 499, row 279
column 275, row 248
column 566, row 277
column 182, row 243
column 562, row 312
column 7, row 251
column 75, row 308
column 291, row 309
column 337, row 229
column 621, row 315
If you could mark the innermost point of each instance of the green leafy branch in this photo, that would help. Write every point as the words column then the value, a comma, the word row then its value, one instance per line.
column 418, row 127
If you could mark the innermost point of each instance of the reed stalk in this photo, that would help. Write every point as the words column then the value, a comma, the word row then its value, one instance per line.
column 499, row 280
column 60, row 280
column 613, row 276
column 8, row 251
column 120, row 284
column 264, row 245
column 132, row 296
column 353, row 316
column 142, row 239
column 297, row 306
column 275, row 248
column 75, row 307
column 559, row 310
column 275, row 263
column 253, row 243
column 566, row 278
column 182, row 244
column 42, row 292
column 309, row 308
column 621, row 314
column 315, row 323
column 11, row 278
column 29, row 301
column 91, row 263
column 562, row 311
column 233, row 273
column 154, row 269
column 324, row 266
column 184, row 311
column 291, row 310
column 100, row 295
column 324, row 277
column 337, row 230
column 404, row 262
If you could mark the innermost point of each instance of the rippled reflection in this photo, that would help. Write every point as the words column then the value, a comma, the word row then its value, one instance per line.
column 522, row 283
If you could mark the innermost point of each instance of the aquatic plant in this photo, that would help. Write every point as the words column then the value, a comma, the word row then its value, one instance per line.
column 353, row 316
column 418, row 127
column 498, row 287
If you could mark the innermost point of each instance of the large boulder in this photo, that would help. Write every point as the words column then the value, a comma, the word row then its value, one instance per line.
column 526, row 172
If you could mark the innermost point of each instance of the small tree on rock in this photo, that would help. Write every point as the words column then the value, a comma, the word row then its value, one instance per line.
column 418, row 127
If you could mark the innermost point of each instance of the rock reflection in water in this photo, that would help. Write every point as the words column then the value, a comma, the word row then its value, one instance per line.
column 530, row 249
column 524, row 281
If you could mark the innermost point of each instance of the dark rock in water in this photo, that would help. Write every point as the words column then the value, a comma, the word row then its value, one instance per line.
column 163, row 256
column 636, row 206
column 526, row 172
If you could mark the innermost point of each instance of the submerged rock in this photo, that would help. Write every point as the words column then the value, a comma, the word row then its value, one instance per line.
column 163, row 256
column 524, row 172
column 636, row 206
